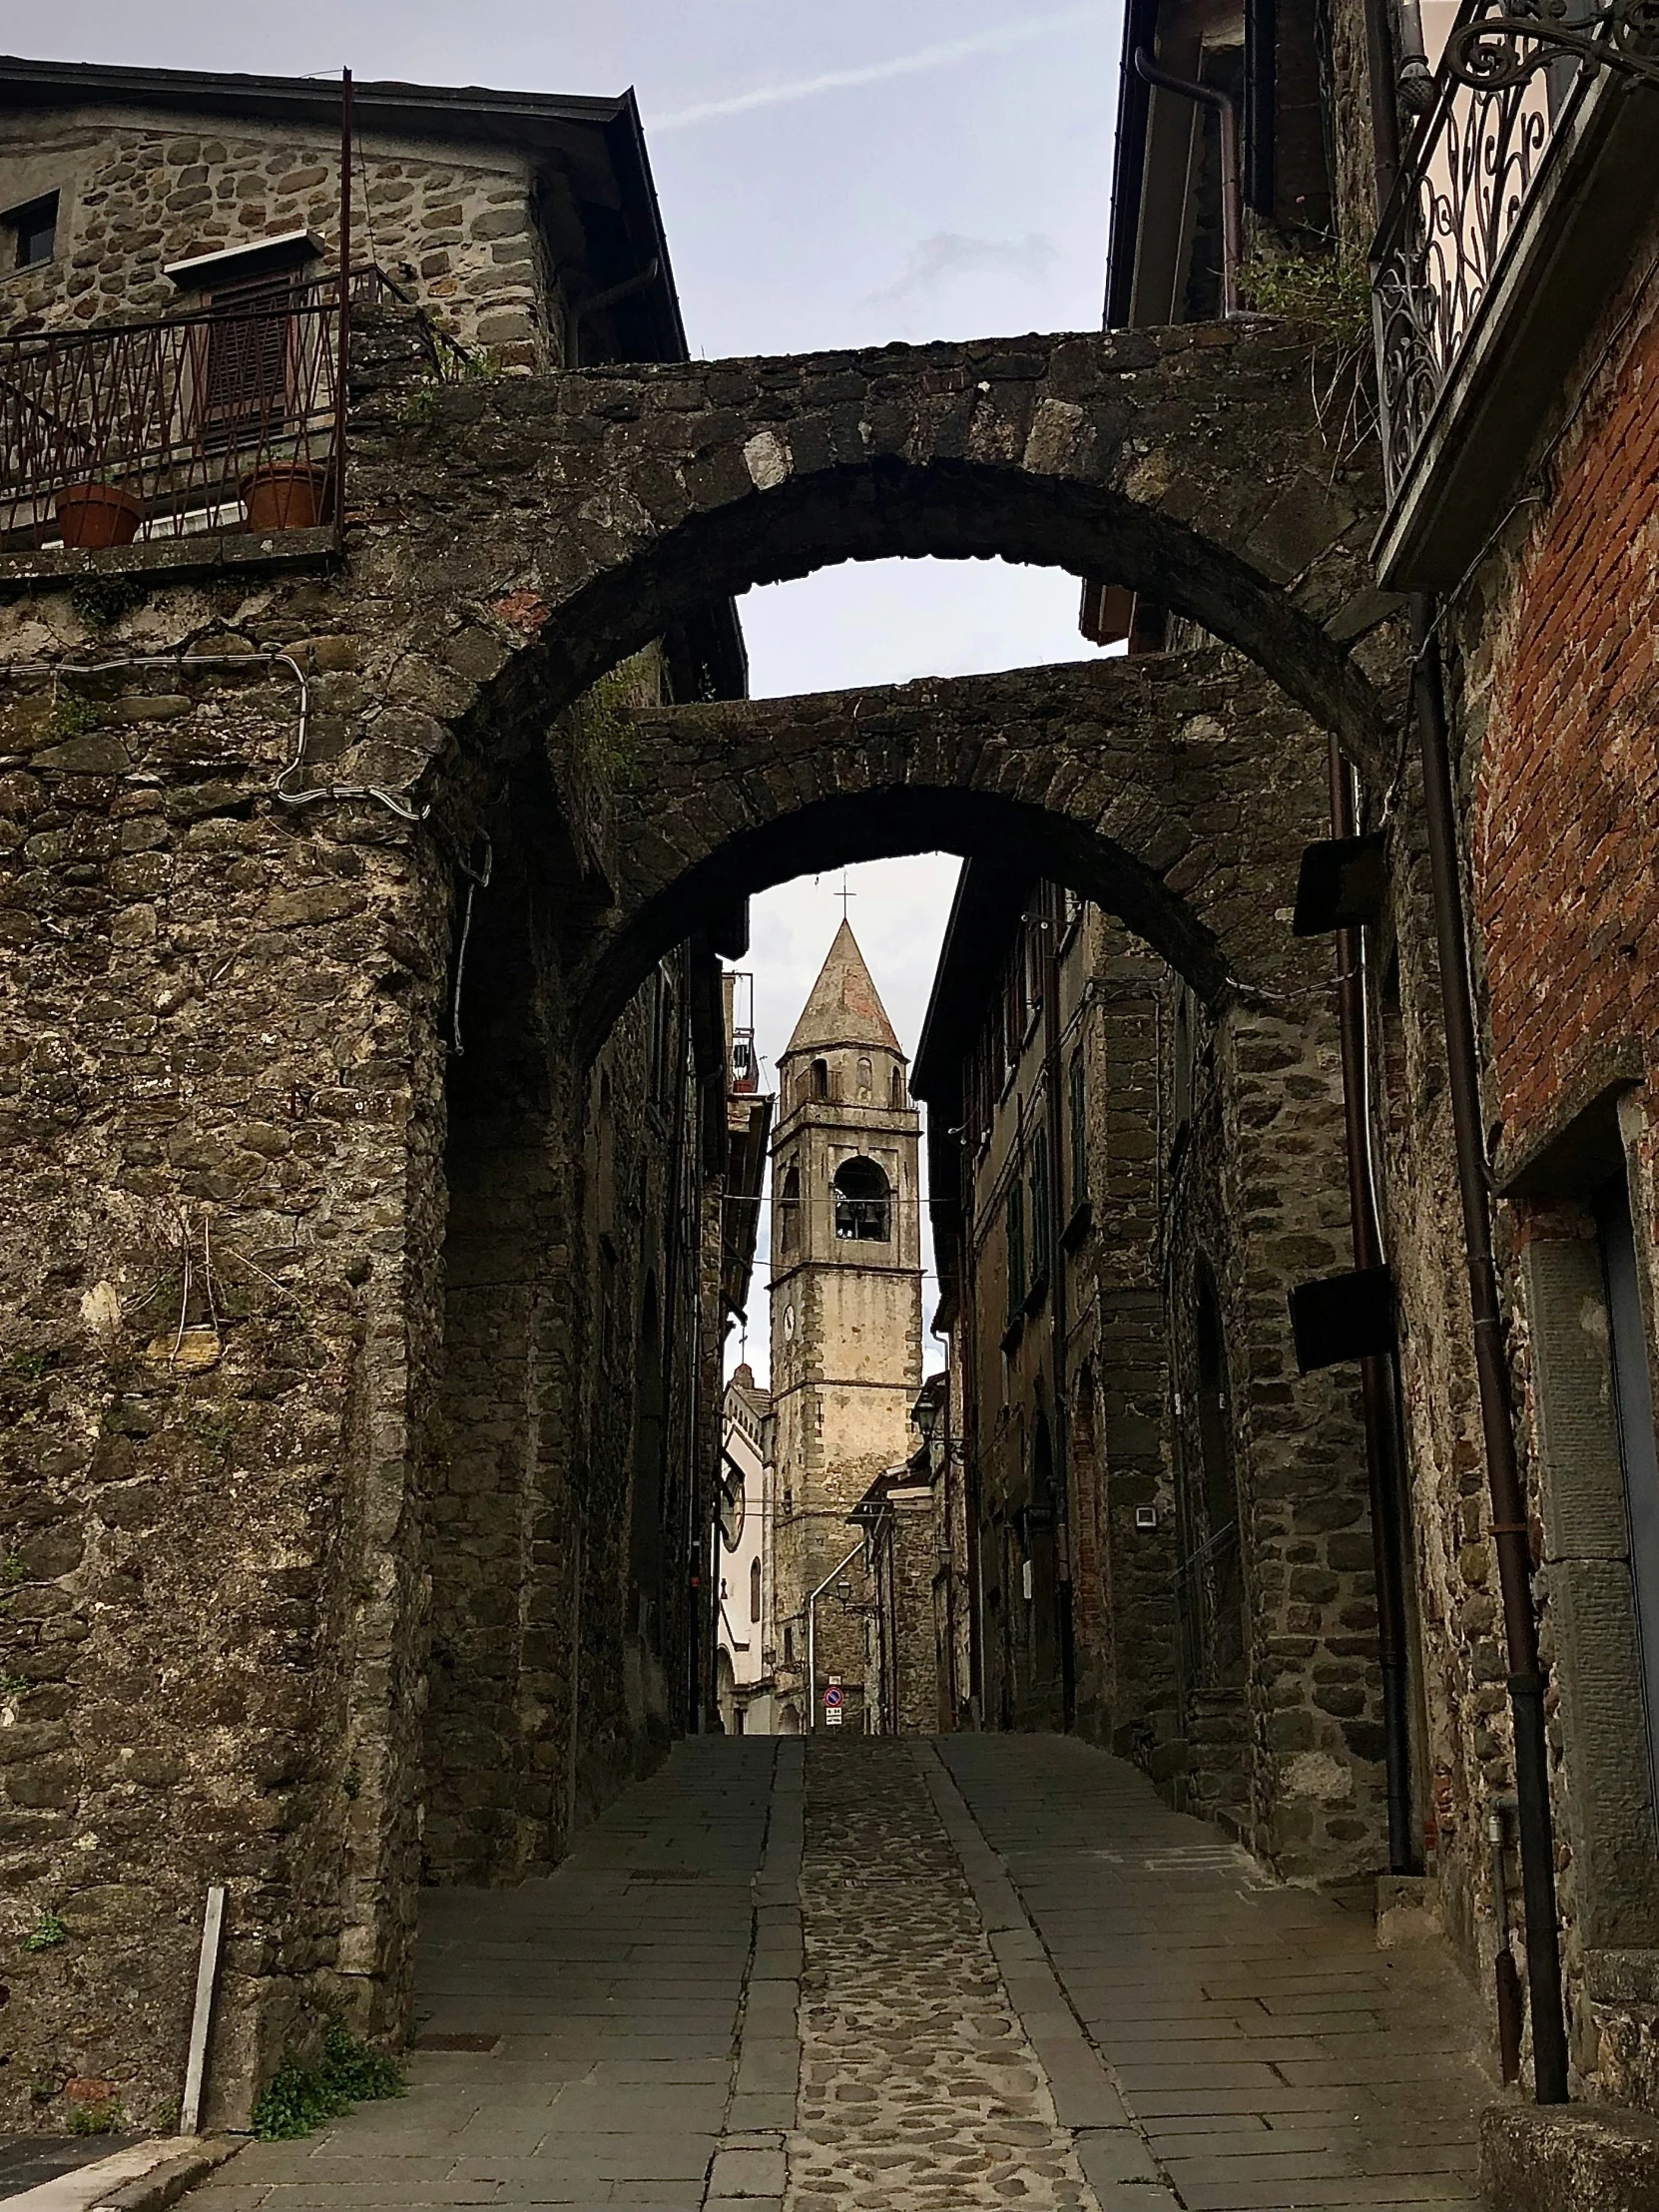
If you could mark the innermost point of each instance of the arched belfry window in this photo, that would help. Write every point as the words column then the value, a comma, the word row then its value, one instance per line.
column 864, row 1203
column 897, row 1087
column 788, row 1210
column 821, row 1079
column 867, row 1075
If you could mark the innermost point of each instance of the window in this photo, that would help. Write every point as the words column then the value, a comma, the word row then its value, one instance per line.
column 753, row 1589
column 788, row 1210
column 863, row 1209
column 662, row 1034
column 1041, row 1214
column 34, row 231
column 788, row 1643
column 821, row 1079
column 866, row 1076
column 897, row 1087
column 1633, row 1406
column 1078, row 1101
column 1013, row 1222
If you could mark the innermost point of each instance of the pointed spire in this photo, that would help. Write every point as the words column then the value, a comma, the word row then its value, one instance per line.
column 843, row 1006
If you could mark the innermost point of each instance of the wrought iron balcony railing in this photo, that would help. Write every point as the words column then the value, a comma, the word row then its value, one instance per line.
column 223, row 419
column 1512, row 73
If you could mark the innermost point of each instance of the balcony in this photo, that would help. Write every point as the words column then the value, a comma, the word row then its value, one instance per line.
column 1508, row 230
column 178, row 436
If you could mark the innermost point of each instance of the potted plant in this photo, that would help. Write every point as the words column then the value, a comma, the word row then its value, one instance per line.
column 288, row 495
column 94, row 515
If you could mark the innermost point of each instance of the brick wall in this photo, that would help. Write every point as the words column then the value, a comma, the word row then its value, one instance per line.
column 1566, row 840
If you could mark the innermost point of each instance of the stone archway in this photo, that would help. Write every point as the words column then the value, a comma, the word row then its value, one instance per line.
column 1176, row 791
column 547, row 528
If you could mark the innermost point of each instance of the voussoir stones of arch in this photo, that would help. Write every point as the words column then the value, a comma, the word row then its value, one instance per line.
column 1177, row 788
column 542, row 528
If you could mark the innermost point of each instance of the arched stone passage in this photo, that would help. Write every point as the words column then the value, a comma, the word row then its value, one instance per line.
column 1175, row 790
column 564, row 523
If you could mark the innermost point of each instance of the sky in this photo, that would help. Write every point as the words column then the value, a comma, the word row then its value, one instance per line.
column 828, row 176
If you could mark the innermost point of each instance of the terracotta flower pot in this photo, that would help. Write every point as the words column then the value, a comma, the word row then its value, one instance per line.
column 287, row 495
column 96, row 515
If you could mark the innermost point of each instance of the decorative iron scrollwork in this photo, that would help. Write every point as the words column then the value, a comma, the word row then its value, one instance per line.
column 1512, row 70
column 1497, row 51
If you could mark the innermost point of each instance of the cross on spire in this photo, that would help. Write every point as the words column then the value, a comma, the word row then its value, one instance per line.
column 844, row 896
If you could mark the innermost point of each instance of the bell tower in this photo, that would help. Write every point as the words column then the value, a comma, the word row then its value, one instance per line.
column 846, row 1315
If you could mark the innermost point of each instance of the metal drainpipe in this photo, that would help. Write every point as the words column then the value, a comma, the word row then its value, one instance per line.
column 1231, row 188
column 1059, row 1308
column 1508, row 1505
column 1376, row 1375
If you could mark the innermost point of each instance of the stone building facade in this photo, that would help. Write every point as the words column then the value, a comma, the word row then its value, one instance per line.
column 524, row 224
column 845, row 1320
column 1164, row 1561
column 742, row 1556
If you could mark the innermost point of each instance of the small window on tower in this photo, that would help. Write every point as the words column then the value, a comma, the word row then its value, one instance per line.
column 788, row 1210
column 864, row 1208
column 34, row 231
column 821, row 1079
column 897, row 1091
column 866, row 1076
column 753, row 1589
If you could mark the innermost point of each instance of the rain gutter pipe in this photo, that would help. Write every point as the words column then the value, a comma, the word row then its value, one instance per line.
column 1509, row 1529
column 1376, row 1379
column 1231, row 188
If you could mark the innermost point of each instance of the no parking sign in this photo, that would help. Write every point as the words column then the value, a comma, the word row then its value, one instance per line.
column 833, row 1703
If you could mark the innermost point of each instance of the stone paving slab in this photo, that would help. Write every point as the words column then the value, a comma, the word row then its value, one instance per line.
column 856, row 1975
column 1275, row 2058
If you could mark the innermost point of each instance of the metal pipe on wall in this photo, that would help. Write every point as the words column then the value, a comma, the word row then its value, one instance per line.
column 1377, row 1381
column 1509, row 1530
column 1231, row 182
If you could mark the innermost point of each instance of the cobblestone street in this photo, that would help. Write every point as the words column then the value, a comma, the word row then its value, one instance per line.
column 852, row 1975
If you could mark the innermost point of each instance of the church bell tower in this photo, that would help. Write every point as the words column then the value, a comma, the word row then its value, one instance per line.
column 845, row 1317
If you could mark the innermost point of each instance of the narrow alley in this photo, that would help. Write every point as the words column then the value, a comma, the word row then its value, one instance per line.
column 835, row 1973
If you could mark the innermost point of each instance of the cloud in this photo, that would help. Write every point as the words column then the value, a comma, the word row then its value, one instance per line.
column 874, row 73
column 946, row 254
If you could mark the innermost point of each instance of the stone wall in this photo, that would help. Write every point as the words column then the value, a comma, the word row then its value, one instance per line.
column 250, row 1466
column 453, row 224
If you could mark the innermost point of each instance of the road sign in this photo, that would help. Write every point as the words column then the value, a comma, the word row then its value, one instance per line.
column 832, row 1716
column 834, row 1697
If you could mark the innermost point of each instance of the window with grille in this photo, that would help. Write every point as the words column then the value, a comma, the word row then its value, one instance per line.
column 1079, row 1109
column 864, row 1203
column 1043, row 1239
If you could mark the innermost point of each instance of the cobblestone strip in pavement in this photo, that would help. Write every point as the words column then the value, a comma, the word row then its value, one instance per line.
column 607, row 2000
column 1277, row 2060
column 918, row 2091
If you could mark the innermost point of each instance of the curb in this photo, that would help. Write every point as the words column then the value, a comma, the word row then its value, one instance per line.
column 143, row 2179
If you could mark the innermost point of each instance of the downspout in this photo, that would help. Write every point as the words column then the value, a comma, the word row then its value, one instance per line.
column 1509, row 1530
column 1059, row 1309
column 1231, row 196
column 972, row 1495
column 1377, row 1383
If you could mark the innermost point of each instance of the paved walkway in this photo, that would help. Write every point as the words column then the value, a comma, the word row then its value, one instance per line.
column 889, row 1977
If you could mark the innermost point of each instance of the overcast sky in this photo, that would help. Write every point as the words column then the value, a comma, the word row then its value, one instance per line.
column 829, row 174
